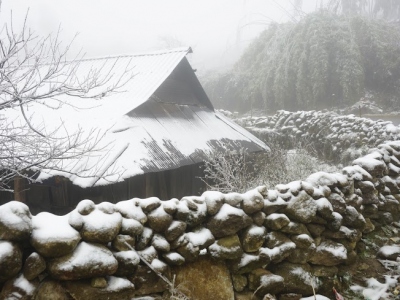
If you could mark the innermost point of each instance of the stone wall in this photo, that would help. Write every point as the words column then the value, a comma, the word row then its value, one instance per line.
column 335, row 137
column 215, row 246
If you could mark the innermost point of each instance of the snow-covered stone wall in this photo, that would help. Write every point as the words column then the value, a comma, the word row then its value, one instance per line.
column 216, row 246
column 336, row 137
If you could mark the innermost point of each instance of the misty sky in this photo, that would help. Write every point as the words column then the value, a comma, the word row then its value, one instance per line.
column 217, row 30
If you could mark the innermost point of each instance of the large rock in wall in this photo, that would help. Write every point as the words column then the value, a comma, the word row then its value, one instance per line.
column 261, row 242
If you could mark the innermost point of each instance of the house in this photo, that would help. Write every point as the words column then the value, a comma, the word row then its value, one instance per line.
column 154, row 134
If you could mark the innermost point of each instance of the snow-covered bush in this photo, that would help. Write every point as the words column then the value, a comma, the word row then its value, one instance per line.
column 228, row 171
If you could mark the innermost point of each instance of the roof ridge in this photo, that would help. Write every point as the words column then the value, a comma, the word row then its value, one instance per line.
column 153, row 53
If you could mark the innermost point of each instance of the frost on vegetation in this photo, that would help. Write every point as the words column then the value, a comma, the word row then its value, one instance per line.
column 226, row 171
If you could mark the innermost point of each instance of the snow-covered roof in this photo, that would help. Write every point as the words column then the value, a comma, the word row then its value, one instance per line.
column 139, row 132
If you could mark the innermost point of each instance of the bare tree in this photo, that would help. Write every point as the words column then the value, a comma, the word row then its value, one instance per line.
column 35, row 71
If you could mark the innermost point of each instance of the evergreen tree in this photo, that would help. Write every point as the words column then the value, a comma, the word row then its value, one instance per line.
column 322, row 61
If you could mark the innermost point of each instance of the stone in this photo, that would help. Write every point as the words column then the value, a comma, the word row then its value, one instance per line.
column 390, row 252
column 385, row 217
column 51, row 289
column 226, row 248
column 175, row 229
column 189, row 252
column 262, row 282
column 353, row 235
column 148, row 254
column 87, row 261
column 159, row 220
column 127, row 262
column 276, row 221
column 170, row 206
column 252, row 202
column 19, row 288
column 246, row 296
column 228, row 221
column 301, row 256
column 336, row 222
column 323, row 271
column 174, row 258
column 144, row 239
column 34, row 265
column 131, row 227
column 100, row 226
column 239, row 282
column 130, row 209
column 329, row 253
column 159, row 266
column 117, row 288
column 375, row 167
column 51, row 240
column 204, row 280
column 15, row 221
column 295, row 228
column 149, row 204
column 10, row 260
column 123, row 242
column 271, row 207
column 301, row 208
column 85, row 207
column 233, row 199
column 307, row 187
column 200, row 237
column 302, row 241
column 297, row 277
column 147, row 282
column 315, row 229
column 253, row 238
column 324, row 208
column 356, row 172
column 259, row 218
column 280, row 252
column 98, row 282
column 192, row 211
column 214, row 201
column 290, row 296
column 160, row 243
column 249, row 262
column 369, row 227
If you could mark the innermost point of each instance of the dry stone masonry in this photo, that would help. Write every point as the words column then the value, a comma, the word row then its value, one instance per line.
column 215, row 246
column 336, row 137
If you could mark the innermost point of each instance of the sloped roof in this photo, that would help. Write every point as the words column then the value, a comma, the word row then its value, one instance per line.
column 138, row 133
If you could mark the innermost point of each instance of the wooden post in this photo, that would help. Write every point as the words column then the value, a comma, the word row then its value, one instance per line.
column 162, row 185
column 20, row 187
column 149, row 185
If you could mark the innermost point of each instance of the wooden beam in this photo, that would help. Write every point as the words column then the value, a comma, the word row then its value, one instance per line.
column 20, row 188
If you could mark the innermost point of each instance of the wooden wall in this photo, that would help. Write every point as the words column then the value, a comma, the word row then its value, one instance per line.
column 59, row 196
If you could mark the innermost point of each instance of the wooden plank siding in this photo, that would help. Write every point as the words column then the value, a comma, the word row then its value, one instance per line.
column 59, row 196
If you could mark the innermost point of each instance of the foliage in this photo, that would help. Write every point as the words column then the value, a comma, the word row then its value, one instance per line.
column 322, row 61
column 34, row 71
column 229, row 171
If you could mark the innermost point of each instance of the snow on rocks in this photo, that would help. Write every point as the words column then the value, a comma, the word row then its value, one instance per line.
column 228, row 221
column 99, row 224
column 329, row 253
column 264, row 237
column 15, row 221
column 50, row 240
column 390, row 252
column 10, row 260
column 87, row 261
